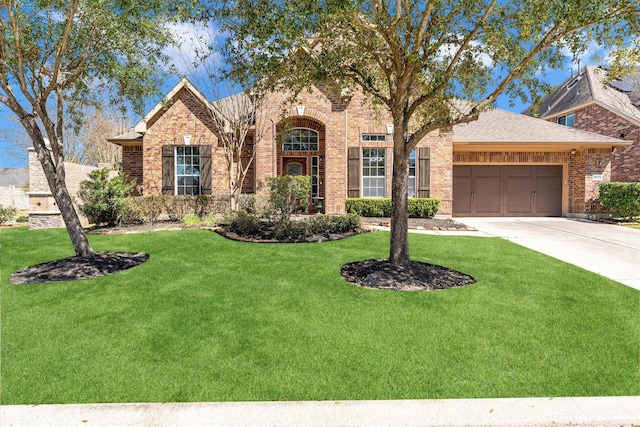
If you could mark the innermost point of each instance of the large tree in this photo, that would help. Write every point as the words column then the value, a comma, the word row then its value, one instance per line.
column 58, row 56
column 431, row 64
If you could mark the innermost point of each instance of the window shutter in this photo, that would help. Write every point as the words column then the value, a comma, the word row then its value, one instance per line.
column 168, row 170
column 354, row 172
column 424, row 172
column 205, row 169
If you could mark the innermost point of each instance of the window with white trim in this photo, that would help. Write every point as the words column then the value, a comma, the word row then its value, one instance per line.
column 373, row 172
column 412, row 173
column 374, row 137
column 567, row 120
column 300, row 139
column 188, row 170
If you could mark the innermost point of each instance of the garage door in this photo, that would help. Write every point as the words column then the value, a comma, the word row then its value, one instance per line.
column 507, row 190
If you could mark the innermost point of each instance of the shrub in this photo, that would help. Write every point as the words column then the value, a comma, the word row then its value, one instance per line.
column 191, row 220
column 333, row 224
column 7, row 214
column 369, row 207
column 423, row 208
column 177, row 207
column 622, row 197
column 211, row 220
column 243, row 223
column 105, row 199
column 286, row 229
column 147, row 208
column 289, row 193
column 23, row 218
column 417, row 208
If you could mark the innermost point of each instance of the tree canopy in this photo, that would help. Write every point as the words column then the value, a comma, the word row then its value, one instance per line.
column 430, row 64
column 57, row 57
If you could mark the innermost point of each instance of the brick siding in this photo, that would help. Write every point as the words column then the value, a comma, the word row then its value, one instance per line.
column 625, row 161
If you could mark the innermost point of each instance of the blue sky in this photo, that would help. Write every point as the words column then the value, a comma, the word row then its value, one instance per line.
column 14, row 156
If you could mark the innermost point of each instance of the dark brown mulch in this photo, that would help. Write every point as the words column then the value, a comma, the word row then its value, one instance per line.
column 421, row 223
column 77, row 268
column 419, row 276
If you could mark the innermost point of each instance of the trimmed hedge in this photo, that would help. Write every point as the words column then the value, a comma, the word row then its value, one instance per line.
column 381, row 207
column 622, row 197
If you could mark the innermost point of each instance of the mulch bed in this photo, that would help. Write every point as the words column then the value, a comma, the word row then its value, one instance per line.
column 77, row 268
column 418, row 276
column 377, row 273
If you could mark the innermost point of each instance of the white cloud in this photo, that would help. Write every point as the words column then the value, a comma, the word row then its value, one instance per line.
column 193, row 41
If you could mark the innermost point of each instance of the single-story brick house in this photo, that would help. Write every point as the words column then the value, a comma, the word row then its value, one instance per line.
column 503, row 164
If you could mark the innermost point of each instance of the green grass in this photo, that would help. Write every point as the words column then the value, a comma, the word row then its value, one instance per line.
column 208, row 319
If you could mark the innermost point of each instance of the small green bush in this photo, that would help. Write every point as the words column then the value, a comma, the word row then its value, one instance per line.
column 23, row 218
column 211, row 220
column 333, row 224
column 191, row 220
column 243, row 223
column 287, row 229
column 289, row 194
column 423, row 208
column 177, row 207
column 381, row 207
column 147, row 208
column 622, row 197
column 7, row 214
column 369, row 207
column 105, row 199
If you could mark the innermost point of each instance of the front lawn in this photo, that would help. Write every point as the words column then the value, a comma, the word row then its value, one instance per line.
column 209, row 319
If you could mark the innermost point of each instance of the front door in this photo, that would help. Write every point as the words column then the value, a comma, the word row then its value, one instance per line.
column 294, row 166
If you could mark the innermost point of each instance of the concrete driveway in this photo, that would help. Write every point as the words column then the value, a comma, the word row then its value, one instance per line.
column 609, row 250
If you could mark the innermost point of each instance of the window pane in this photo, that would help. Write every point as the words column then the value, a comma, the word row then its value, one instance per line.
column 188, row 169
column 300, row 140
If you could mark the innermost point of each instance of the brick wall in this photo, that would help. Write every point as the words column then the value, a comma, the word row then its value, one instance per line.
column 185, row 116
column 344, row 121
column 132, row 163
column 625, row 161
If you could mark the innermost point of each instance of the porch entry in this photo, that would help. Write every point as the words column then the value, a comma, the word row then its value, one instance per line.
column 297, row 166
column 294, row 166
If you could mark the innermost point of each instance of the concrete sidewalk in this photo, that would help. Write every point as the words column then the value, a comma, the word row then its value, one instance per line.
column 609, row 250
column 592, row 411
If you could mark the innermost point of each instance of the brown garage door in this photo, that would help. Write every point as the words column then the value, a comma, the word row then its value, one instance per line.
column 507, row 190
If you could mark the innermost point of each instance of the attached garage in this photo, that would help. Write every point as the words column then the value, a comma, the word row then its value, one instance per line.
column 507, row 164
column 507, row 190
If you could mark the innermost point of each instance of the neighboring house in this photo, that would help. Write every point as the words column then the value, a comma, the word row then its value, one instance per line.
column 589, row 102
column 504, row 164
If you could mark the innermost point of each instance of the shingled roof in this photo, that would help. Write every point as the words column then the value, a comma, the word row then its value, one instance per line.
column 504, row 127
column 590, row 86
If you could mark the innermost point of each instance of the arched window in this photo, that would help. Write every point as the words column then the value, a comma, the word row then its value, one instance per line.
column 300, row 139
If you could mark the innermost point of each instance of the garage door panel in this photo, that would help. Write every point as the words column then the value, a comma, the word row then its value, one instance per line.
column 487, row 195
column 518, row 198
column 507, row 190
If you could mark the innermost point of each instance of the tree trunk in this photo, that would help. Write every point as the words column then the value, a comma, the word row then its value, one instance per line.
column 399, row 247
column 56, row 179
column 79, row 240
